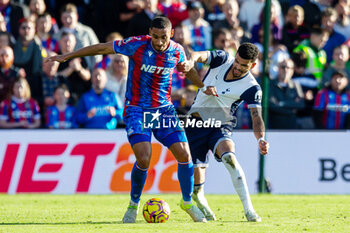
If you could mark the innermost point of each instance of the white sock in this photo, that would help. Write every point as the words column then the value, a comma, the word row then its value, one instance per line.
column 198, row 192
column 238, row 179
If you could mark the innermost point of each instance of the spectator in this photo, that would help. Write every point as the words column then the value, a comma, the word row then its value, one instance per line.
column 309, row 85
column 60, row 115
column 328, row 19
column 275, row 29
column 6, row 38
column 213, row 11
column 76, row 70
column 340, row 57
column 179, row 81
column 99, row 108
column 332, row 104
column 8, row 72
column 200, row 29
column 230, row 10
column 107, row 14
column 20, row 110
column 141, row 22
column 117, row 74
column 223, row 41
column 294, row 31
column 277, row 53
column 314, row 9
column 27, row 49
column 285, row 98
column 12, row 13
column 127, row 10
column 316, row 57
column 43, row 30
column 43, row 84
column 249, row 13
column 343, row 22
column 107, row 58
column 84, row 34
column 174, row 10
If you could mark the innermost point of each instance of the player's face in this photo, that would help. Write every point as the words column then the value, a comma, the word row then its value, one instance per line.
column 6, row 57
column 241, row 66
column 161, row 38
column 339, row 83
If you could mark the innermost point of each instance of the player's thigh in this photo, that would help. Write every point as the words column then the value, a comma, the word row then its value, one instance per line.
column 198, row 139
column 220, row 142
column 133, row 119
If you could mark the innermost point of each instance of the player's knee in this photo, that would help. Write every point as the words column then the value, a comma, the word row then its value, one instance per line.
column 229, row 158
column 143, row 160
column 183, row 157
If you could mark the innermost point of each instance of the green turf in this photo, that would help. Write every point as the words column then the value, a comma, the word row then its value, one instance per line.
column 103, row 213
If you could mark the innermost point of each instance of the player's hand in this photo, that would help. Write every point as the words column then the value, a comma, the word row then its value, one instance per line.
column 263, row 146
column 59, row 58
column 91, row 113
column 112, row 111
column 185, row 66
column 211, row 90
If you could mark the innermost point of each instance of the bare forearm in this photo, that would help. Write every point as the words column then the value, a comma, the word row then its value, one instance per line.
column 84, row 74
column 259, row 128
column 258, row 123
column 96, row 49
column 193, row 76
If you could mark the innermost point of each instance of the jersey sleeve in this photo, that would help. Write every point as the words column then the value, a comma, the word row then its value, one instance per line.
column 182, row 54
column 129, row 45
column 252, row 96
column 217, row 58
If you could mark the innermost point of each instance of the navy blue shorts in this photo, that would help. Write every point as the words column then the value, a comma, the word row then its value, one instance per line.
column 163, row 122
column 201, row 140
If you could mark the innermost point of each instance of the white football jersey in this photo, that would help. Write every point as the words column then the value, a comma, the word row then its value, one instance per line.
column 231, row 92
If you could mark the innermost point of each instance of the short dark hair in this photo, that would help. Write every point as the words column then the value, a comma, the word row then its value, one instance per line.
column 318, row 31
column 339, row 73
column 299, row 58
column 248, row 51
column 161, row 22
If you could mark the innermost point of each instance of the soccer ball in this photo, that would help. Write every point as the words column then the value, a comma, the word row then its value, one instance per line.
column 156, row 210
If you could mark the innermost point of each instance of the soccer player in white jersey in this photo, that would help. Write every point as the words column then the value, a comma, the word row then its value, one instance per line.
column 230, row 77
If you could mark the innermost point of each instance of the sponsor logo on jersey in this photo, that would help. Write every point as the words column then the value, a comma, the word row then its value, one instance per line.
column 258, row 96
column 155, row 69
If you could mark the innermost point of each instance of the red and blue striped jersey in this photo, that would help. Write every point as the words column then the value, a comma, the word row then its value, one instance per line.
column 15, row 110
column 60, row 119
column 150, row 72
column 51, row 44
column 334, row 106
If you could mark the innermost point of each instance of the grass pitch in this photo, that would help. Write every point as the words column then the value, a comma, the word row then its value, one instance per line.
column 103, row 213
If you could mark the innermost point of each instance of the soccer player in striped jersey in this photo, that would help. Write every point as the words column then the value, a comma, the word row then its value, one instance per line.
column 152, row 59
column 233, row 82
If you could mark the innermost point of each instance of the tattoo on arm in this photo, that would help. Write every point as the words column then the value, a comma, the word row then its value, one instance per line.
column 258, row 123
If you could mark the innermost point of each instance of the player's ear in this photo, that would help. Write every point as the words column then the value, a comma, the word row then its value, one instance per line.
column 171, row 33
column 253, row 65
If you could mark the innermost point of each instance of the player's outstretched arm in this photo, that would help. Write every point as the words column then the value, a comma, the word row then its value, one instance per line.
column 96, row 49
column 201, row 56
column 193, row 76
column 259, row 130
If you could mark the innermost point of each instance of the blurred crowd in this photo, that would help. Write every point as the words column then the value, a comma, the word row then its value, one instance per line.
column 309, row 66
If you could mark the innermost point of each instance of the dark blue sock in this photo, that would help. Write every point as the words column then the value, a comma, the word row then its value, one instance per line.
column 185, row 174
column 138, row 179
